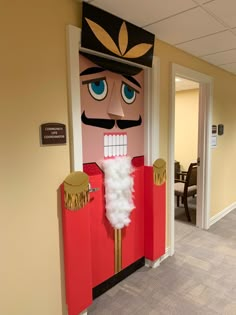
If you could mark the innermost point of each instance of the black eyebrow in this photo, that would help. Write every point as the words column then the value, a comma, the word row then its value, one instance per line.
column 93, row 80
column 92, row 70
column 133, row 80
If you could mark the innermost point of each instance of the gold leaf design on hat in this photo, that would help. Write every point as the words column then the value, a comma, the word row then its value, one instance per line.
column 103, row 37
column 123, row 38
column 138, row 50
column 106, row 40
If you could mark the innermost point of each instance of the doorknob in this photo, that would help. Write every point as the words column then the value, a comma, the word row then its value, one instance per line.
column 93, row 189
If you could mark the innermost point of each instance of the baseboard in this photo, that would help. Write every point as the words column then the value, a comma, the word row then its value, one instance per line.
column 111, row 282
column 166, row 255
column 222, row 213
column 156, row 263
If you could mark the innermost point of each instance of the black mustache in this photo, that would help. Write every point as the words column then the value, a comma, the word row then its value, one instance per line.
column 98, row 122
column 124, row 124
column 110, row 123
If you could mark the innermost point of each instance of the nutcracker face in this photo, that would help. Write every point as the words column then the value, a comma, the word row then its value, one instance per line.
column 112, row 111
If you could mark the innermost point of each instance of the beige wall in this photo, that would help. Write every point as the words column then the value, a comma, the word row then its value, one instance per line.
column 186, row 127
column 34, row 91
column 224, row 111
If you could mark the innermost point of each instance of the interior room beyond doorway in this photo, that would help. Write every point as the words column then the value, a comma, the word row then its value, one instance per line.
column 186, row 148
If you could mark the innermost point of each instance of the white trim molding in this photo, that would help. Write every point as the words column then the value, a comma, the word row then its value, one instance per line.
column 152, row 263
column 151, row 114
column 73, row 36
column 166, row 255
column 222, row 213
column 156, row 263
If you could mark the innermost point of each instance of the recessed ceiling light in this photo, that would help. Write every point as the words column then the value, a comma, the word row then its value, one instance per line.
column 177, row 79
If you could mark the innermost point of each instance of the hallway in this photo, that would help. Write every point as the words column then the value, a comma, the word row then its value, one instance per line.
column 199, row 279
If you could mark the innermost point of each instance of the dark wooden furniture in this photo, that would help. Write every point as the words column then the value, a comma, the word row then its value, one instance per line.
column 186, row 187
column 177, row 170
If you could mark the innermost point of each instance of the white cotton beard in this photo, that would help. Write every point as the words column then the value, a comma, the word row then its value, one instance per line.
column 118, row 190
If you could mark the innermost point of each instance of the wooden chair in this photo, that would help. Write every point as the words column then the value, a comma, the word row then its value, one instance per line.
column 186, row 187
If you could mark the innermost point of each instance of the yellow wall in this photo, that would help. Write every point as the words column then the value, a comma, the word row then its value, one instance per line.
column 224, row 111
column 33, row 89
column 186, row 127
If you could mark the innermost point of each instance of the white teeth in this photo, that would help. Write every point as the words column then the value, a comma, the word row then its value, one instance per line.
column 110, row 140
column 113, row 150
column 115, row 145
column 110, row 145
column 106, row 151
column 125, row 140
column 105, row 146
column 105, row 140
column 125, row 145
column 121, row 150
column 110, row 151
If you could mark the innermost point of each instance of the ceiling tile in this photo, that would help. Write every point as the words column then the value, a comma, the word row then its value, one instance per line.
column 186, row 26
column 202, row 1
column 222, row 58
column 184, row 84
column 210, row 44
column 141, row 14
column 225, row 10
column 230, row 67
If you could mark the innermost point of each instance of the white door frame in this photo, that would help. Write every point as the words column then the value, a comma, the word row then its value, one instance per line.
column 151, row 101
column 204, row 149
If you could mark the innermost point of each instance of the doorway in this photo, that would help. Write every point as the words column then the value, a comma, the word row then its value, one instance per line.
column 186, row 147
column 205, row 108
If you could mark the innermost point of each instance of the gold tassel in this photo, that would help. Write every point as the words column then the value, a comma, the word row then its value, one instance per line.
column 118, row 250
column 159, row 172
column 76, row 191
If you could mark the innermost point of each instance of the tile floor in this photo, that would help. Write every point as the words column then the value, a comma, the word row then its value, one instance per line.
column 199, row 279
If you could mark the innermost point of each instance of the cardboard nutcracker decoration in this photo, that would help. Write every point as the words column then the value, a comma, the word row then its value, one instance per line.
column 114, row 209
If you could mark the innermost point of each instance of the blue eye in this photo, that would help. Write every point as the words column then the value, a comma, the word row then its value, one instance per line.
column 128, row 94
column 98, row 89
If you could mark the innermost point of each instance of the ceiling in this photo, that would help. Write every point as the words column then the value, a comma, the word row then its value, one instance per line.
column 203, row 28
column 182, row 84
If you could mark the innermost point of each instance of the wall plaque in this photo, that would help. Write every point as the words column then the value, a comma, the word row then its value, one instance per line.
column 214, row 129
column 53, row 133
column 220, row 129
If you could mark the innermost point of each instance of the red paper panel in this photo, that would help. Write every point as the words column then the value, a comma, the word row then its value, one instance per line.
column 155, row 216
column 77, row 258
column 133, row 235
column 138, row 161
column 148, row 201
column 102, row 234
column 89, row 237
column 159, row 219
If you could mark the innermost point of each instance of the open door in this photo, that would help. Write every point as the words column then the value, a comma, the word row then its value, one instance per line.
column 204, row 152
